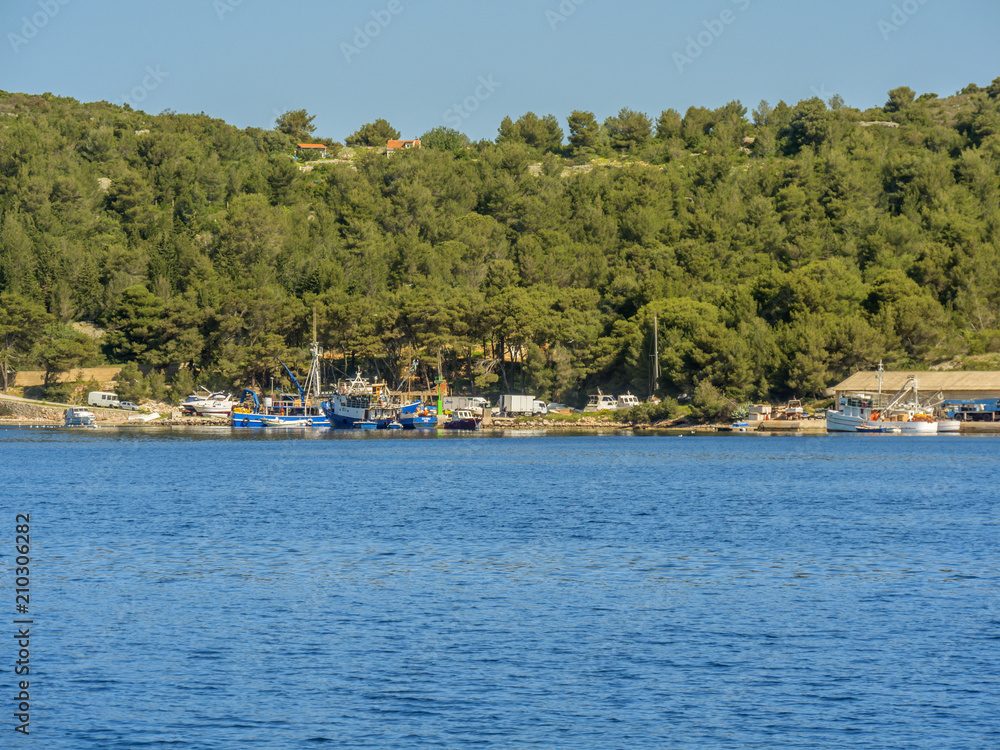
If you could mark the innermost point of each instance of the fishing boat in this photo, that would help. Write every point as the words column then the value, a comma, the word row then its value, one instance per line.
column 901, row 412
column 78, row 416
column 462, row 419
column 415, row 417
column 358, row 402
column 269, row 411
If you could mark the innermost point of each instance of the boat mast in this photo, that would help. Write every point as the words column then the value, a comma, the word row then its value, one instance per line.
column 316, row 352
column 656, row 358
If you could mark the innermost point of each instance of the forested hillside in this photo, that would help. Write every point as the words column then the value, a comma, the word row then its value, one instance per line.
column 779, row 250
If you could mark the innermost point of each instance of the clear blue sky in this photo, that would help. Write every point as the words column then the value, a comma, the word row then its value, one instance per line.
column 413, row 61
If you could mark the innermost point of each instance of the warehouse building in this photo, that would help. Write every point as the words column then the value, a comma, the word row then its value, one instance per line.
column 944, row 385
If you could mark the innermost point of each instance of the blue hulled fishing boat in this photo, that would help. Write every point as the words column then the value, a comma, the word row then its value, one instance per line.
column 285, row 409
column 416, row 417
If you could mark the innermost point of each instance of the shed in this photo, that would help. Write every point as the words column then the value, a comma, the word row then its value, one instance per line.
column 952, row 384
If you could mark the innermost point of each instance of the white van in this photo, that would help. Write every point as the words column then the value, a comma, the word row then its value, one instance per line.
column 103, row 399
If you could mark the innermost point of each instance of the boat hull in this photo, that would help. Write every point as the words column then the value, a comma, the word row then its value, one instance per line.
column 838, row 422
column 346, row 412
column 418, row 423
column 270, row 420
column 462, row 424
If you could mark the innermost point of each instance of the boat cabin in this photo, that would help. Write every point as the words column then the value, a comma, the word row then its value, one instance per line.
column 601, row 402
column 858, row 405
column 627, row 401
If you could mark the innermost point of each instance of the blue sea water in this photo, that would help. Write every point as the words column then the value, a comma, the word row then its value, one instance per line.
column 213, row 590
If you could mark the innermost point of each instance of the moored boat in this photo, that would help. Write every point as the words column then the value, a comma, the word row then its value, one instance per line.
column 600, row 402
column 861, row 410
column 896, row 413
column 269, row 411
column 628, row 401
column 359, row 401
column 415, row 417
column 462, row 419
column 208, row 404
column 78, row 416
column 273, row 411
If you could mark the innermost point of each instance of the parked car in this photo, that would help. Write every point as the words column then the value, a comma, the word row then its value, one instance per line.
column 128, row 405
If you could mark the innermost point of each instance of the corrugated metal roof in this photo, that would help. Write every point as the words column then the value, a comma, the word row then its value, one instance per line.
column 954, row 380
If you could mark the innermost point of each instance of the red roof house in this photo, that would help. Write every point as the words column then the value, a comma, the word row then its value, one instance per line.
column 397, row 145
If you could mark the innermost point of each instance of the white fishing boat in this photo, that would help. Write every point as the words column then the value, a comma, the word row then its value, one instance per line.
column 873, row 412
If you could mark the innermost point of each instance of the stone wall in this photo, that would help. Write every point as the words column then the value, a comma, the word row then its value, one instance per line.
column 28, row 411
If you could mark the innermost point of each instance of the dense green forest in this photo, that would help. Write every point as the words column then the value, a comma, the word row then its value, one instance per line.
column 778, row 250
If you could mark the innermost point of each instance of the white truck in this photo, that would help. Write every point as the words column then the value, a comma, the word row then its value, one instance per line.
column 475, row 404
column 511, row 405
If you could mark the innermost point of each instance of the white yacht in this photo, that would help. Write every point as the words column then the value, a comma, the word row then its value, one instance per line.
column 208, row 404
column 627, row 401
column 78, row 416
column 601, row 402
